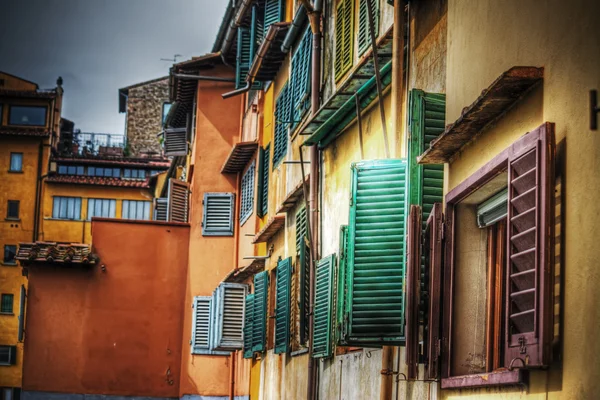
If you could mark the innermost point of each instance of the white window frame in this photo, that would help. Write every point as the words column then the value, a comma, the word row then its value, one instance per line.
column 93, row 203
column 56, row 208
column 147, row 205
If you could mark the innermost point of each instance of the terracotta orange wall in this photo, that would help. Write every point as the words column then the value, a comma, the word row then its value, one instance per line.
column 210, row 258
column 116, row 332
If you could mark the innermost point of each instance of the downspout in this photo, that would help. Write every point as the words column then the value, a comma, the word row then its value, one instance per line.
column 232, row 356
column 314, row 15
column 36, row 210
column 203, row 78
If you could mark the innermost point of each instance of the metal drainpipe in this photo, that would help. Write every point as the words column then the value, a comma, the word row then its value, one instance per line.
column 36, row 210
column 232, row 356
column 203, row 78
column 315, row 22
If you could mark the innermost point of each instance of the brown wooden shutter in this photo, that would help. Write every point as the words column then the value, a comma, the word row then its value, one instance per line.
column 432, row 252
column 413, row 264
column 530, row 232
column 178, row 201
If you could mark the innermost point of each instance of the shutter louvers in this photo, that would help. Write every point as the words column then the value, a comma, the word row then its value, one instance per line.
column 342, row 287
column 22, row 313
column 230, row 316
column 176, row 143
column 364, row 36
column 161, row 205
column 274, row 12
column 301, row 228
column 282, row 306
column 178, row 205
column 300, row 80
column 323, row 307
column 304, row 290
column 413, row 267
column 259, row 324
column 218, row 214
column 263, row 181
column 530, row 231
column 432, row 252
column 376, row 254
column 282, row 120
column 344, row 37
column 247, row 187
column 201, row 327
column 248, row 321
column 244, row 55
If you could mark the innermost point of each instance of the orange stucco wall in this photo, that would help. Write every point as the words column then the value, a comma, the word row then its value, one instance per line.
column 113, row 332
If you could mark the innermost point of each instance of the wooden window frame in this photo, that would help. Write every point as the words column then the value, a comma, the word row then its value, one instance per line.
column 13, row 217
column 12, row 303
column 10, row 109
column 543, row 138
column 14, row 154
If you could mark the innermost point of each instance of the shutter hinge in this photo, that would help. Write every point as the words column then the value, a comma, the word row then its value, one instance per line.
column 190, row 342
column 443, row 230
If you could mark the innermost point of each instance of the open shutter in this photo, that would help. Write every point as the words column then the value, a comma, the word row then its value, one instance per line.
column 230, row 308
column 22, row 313
column 304, row 300
column 342, row 288
column 201, row 325
column 259, row 325
column 432, row 252
column 282, row 121
column 301, row 62
column 344, row 37
column 217, row 219
column 413, row 267
column 376, row 253
column 530, row 230
column 282, row 306
column 244, row 56
column 178, row 206
column 323, row 308
column 364, row 36
column 263, row 181
column 176, row 143
column 274, row 12
column 247, row 188
column 301, row 228
column 248, row 321
column 161, row 206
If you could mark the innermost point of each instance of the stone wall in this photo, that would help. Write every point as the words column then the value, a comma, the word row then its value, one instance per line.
column 144, row 116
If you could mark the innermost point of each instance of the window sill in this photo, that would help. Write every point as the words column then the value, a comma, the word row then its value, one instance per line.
column 9, row 264
column 63, row 219
column 15, row 172
column 7, row 313
column 498, row 378
column 12, row 219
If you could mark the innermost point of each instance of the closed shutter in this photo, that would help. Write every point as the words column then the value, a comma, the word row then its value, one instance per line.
column 376, row 253
column 274, row 12
column 300, row 80
column 230, row 308
column 344, row 37
column 530, row 248
column 247, row 188
column 432, row 252
column 263, row 181
column 282, row 121
column 282, row 306
column 301, row 228
column 259, row 324
column 245, row 49
column 304, row 300
column 248, row 321
column 341, row 303
column 179, row 198
column 201, row 325
column 161, row 205
column 176, row 143
column 364, row 36
column 413, row 267
column 22, row 313
column 323, row 308
column 217, row 217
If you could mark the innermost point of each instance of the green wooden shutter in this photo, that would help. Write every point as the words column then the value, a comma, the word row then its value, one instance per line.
column 304, row 300
column 259, row 313
column 364, row 36
column 274, row 12
column 301, row 63
column 376, row 252
column 263, row 181
column 341, row 303
column 244, row 56
column 248, row 320
column 301, row 228
column 344, row 37
column 323, row 308
column 282, row 306
column 282, row 120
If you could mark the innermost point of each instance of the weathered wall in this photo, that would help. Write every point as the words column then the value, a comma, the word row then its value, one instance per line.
column 114, row 332
column 144, row 116
column 561, row 37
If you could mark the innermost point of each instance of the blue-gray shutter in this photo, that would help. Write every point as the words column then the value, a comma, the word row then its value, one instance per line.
column 245, row 48
column 248, row 321
column 217, row 219
column 247, row 206
column 160, row 208
column 282, row 305
column 323, row 309
column 229, row 316
column 259, row 324
column 274, row 12
column 175, row 142
column 201, row 325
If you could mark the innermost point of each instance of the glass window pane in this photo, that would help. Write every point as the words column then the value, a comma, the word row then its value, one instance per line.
column 108, row 171
column 117, row 172
column 27, row 115
column 80, row 170
column 10, row 251
column 126, row 173
column 91, row 171
column 72, row 170
column 112, row 212
column 70, row 208
column 56, row 207
column 62, row 169
column 63, row 208
column 125, row 211
column 139, row 212
column 146, row 210
column 142, row 174
column 16, row 161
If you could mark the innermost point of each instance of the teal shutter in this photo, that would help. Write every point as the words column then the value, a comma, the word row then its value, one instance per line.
column 282, row 120
column 282, row 306
column 376, row 252
column 259, row 313
column 244, row 56
column 304, row 300
column 301, row 228
column 323, row 309
column 263, row 181
column 364, row 36
column 274, row 12
column 341, row 303
column 426, row 185
column 248, row 320
column 301, row 63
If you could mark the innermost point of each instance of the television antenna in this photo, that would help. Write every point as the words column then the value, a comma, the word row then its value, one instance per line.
column 174, row 59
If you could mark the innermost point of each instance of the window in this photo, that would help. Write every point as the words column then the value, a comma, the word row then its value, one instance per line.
column 283, row 116
column 322, row 340
column 8, row 355
column 247, row 190
column 16, row 162
column 300, row 80
column 13, row 209
column 263, row 181
column 8, row 392
column 106, row 208
column 217, row 216
column 344, row 37
column 71, row 170
column 134, row 173
column 282, row 305
column 136, row 209
column 66, row 208
column 10, row 251
column 364, row 34
column 274, row 12
column 6, row 306
column 165, row 111
column 27, row 115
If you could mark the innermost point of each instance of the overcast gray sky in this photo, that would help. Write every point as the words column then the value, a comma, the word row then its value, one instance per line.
column 99, row 46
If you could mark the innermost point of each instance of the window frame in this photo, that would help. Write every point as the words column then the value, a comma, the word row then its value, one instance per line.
column 145, row 203
column 12, row 303
column 15, row 171
column 62, row 198
column 112, row 203
column 4, row 261
column 12, row 106
column 12, row 217
column 12, row 355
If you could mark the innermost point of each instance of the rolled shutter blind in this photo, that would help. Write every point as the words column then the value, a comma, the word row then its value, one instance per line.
column 323, row 309
column 282, row 306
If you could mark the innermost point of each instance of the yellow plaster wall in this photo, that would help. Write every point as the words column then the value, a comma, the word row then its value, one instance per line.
column 486, row 38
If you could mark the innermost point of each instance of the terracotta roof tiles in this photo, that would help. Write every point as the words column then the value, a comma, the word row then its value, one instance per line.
column 99, row 181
